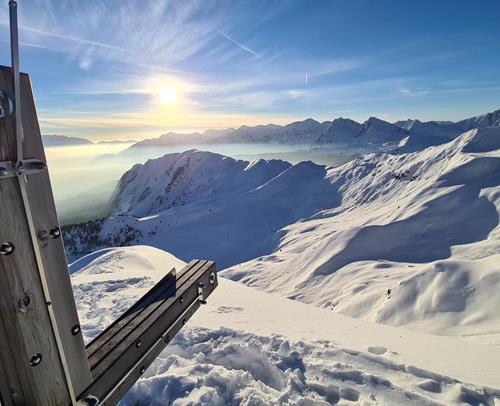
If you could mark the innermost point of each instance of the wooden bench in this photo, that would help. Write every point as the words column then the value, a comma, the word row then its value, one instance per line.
column 121, row 353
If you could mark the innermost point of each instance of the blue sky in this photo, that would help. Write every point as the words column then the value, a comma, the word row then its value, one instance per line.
column 98, row 66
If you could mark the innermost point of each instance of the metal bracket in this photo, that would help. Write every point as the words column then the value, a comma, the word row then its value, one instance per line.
column 10, row 169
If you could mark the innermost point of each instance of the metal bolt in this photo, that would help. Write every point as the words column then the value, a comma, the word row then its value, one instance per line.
column 89, row 401
column 142, row 370
column 24, row 303
column 183, row 321
column 181, row 299
column 55, row 232
column 36, row 359
column 138, row 343
column 6, row 248
column 75, row 329
column 212, row 278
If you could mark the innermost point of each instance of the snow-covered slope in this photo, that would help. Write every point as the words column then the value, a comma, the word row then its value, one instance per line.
column 186, row 178
column 409, row 240
column 251, row 348
column 485, row 120
column 415, row 242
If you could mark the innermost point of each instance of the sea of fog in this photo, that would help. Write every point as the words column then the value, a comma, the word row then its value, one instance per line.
column 84, row 176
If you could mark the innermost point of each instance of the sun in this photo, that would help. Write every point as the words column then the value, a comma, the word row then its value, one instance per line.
column 168, row 95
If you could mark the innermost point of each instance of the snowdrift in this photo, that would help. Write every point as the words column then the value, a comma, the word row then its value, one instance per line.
column 248, row 347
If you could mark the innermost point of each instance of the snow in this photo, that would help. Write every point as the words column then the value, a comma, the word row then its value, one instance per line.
column 409, row 240
column 395, row 251
column 249, row 347
column 192, row 176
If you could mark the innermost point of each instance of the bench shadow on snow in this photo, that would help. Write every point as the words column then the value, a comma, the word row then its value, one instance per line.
column 461, row 216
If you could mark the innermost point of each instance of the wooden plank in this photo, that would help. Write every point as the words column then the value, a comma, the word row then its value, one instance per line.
column 28, row 331
column 100, row 360
column 147, row 299
column 136, row 371
column 119, row 369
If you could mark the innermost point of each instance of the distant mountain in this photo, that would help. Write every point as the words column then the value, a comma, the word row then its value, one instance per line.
column 373, row 132
column 300, row 132
column 50, row 140
column 431, row 133
column 117, row 142
column 403, row 136
column 342, row 130
column 486, row 120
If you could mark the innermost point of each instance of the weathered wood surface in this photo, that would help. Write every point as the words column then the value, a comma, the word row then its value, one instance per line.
column 25, row 324
column 126, row 348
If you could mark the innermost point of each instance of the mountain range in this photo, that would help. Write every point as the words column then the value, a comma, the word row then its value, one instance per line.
column 403, row 136
column 408, row 240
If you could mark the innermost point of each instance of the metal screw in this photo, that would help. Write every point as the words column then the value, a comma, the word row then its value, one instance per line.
column 75, row 329
column 183, row 321
column 6, row 248
column 55, row 232
column 212, row 278
column 138, row 343
column 36, row 359
column 24, row 303
column 90, row 401
column 181, row 299
column 142, row 370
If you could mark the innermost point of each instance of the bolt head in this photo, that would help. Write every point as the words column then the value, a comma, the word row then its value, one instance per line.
column 36, row 360
column 142, row 370
column 6, row 248
column 75, row 329
column 55, row 232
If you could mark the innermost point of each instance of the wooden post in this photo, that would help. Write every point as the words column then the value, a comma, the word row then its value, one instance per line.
column 42, row 355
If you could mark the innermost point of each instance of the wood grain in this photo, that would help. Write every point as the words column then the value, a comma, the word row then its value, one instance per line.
column 27, row 330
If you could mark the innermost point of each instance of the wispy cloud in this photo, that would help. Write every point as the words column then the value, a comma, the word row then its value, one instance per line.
column 240, row 45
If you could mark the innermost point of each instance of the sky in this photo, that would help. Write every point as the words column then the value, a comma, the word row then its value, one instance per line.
column 131, row 69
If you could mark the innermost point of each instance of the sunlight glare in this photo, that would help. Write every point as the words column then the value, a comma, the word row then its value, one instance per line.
column 168, row 95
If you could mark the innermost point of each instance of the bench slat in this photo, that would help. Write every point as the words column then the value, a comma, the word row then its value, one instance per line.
column 132, row 342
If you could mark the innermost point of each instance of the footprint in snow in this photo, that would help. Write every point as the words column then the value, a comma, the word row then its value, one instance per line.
column 377, row 350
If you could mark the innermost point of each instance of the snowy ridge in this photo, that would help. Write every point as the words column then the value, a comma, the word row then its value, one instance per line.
column 189, row 177
column 403, row 136
column 300, row 132
column 230, row 353
column 395, row 250
column 408, row 240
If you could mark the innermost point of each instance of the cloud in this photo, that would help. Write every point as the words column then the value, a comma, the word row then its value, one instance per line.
column 240, row 45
